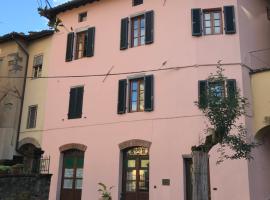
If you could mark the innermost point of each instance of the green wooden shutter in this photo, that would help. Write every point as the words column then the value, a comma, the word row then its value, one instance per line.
column 122, row 90
column 196, row 20
column 231, row 88
column 90, row 42
column 149, row 27
column 124, row 34
column 229, row 19
column 79, row 103
column 75, row 103
column 203, row 94
column 69, row 50
column 149, row 93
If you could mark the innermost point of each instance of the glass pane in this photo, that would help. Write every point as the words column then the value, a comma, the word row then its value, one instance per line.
column 216, row 89
column 142, row 23
column 142, row 40
column 135, row 24
column 131, row 163
column 207, row 31
column 68, row 173
column 134, row 106
column 78, row 184
column 217, row 22
column 131, row 186
column 135, row 33
column 80, row 162
column 134, row 85
column 69, row 162
column 79, row 173
column 131, row 175
column 141, row 105
column 207, row 16
column 135, row 42
column 217, row 30
column 144, row 163
column 144, row 180
column 144, row 175
column 134, row 96
column 144, row 186
column 207, row 23
column 67, row 184
column 138, row 151
column 216, row 15
column 142, row 32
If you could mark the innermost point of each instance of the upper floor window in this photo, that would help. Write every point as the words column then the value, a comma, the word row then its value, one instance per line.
column 37, row 66
column 82, row 17
column 84, row 44
column 140, row 94
column 81, row 44
column 140, row 32
column 75, row 102
column 32, row 116
column 212, row 22
column 137, row 31
column 137, row 2
column 1, row 62
column 209, row 21
column 217, row 89
column 268, row 12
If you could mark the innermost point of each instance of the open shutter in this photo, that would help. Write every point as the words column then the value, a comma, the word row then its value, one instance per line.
column 149, row 27
column 79, row 103
column 231, row 88
column 90, row 42
column 69, row 50
column 72, row 103
column 196, row 20
column 149, row 93
column 124, row 34
column 122, row 89
column 229, row 19
column 202, row 94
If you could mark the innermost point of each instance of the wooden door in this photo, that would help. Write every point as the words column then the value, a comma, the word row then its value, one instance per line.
column 72, row 175
column 136, row 174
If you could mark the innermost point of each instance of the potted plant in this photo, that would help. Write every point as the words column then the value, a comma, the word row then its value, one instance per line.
column 105, row 193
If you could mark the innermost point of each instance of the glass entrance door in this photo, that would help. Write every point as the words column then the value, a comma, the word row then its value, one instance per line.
column 136, row 174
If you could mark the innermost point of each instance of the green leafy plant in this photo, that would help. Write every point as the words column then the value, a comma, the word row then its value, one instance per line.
column 105, row 193
column 5, row 169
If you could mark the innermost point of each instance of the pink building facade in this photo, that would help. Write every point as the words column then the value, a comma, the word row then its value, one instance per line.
column 134, row 128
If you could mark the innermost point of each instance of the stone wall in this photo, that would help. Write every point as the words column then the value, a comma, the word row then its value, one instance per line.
column 25, row 187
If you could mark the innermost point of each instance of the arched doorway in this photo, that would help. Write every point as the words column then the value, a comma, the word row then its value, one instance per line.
column 135, row 176
column 72, row 174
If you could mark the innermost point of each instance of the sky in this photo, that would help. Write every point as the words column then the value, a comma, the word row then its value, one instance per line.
column 22, row 15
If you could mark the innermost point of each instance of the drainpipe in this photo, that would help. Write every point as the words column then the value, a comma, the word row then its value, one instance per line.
column 23, row 92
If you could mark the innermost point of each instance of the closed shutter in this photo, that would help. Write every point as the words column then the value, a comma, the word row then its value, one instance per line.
column 202, row 94
column 69, row 50
column 137, row 2
column 90, row 42
column 149, row 27
column 75, row 103
column 122, row 89
column 149, row 93
column 124, row 34
column 229, row 18
column 231, row 88
column 196, row 21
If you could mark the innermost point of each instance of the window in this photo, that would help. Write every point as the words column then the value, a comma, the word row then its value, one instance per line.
column 37, row 66
column 84, row 44
column 141, row 30
column 81, row 43
column 82, row 17
column 137, row 2
column 268, row 12
column 1, row 62
column 137, row 31
column 140, row 94
column 218, row 89
column 212, row 22
column 32, row 116
column 75, row 102
column 136, row 96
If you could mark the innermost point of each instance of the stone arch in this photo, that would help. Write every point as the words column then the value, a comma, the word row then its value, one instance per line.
column 134, row 143
column 263, row 132
column 29, row 140
column 69, row 146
